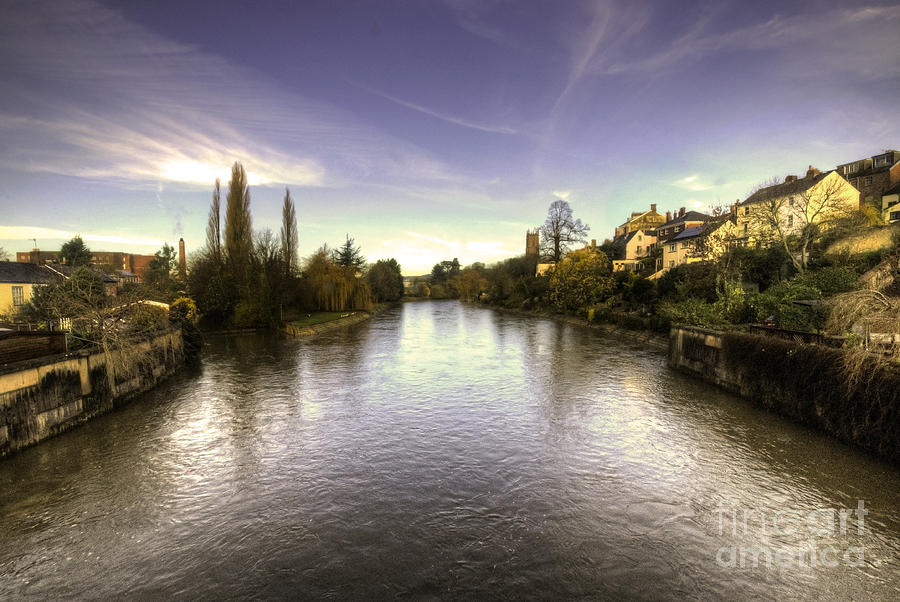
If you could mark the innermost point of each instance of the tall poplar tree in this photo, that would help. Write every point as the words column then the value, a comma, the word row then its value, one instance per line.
column 213, row 226
column 238, row 226
column 289, row 236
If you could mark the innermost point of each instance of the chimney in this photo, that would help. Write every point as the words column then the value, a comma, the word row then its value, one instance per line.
column 593, row 242
column 668, row 216
column 812, row 172
column 790, row 179
column 652, row 206
column 681, row 212
column 182, row 261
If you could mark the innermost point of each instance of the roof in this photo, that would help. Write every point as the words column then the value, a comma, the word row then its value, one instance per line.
column 690, row 216
column 24, row 273
column 797, row 186
column 691, row 232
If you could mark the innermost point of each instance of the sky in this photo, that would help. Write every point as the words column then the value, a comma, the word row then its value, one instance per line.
column 427, row 129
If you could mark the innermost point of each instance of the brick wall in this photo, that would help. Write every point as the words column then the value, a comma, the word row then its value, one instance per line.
column 20, row 346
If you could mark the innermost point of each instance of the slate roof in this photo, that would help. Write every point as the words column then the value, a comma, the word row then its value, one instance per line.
column 67, row 270
column 689, row 216
column 691, row 232
column 16, row 272
column 895, row 189
column 798, row 186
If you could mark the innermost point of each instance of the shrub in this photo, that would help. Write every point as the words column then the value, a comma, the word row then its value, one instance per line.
column 693, row 312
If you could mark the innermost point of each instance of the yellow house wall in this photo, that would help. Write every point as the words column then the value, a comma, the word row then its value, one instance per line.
column 631, row 252
column 6, row 296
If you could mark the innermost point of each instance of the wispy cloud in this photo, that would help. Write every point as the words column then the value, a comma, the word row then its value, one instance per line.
column 494, row 129
column 454, row 244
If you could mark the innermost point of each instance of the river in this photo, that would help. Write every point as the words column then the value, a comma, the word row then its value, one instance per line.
column 441, row 450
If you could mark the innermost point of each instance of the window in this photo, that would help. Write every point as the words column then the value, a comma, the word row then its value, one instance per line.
column 638, row 249
column 895, row 215
column 745, row 227
column 881, row 160
column 18, row 295
column 853, row 168
column 746, row 210
column 673, row 247
column 790, row 221
column 791, row 201
column 685, row 245
column 671, row 263
column 868, row 180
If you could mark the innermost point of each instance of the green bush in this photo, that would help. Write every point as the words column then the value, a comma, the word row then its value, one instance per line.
column 778, row 302
column 829, row 280
column 693, row 312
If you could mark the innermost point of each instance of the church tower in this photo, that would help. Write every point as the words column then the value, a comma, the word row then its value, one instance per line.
column 532, row 243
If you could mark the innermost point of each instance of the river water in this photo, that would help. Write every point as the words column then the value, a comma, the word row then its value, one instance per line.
column 441, row 450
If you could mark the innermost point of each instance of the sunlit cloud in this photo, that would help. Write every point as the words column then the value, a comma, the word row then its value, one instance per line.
column 142, row 108
column 562, row 194
column 41, row 233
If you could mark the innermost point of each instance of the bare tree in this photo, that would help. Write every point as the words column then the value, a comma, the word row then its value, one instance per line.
column 797, row 213
column 289, row 236
column 560, row 230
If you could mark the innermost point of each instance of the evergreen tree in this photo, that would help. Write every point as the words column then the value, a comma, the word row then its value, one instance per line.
column 289, row 236
column 348, row 255
column 75, row 253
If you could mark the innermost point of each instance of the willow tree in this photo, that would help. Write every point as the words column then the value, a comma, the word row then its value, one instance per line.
column 289, row 236
column 238, row 226
column 336, row 287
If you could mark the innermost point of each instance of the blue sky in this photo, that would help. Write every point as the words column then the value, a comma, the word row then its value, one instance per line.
column 426, row 130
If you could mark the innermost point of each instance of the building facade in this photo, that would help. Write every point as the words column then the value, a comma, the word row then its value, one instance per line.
column 872, row 176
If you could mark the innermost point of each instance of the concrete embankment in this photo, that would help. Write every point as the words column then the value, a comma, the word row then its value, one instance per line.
column 815, row 385
column 44, row 397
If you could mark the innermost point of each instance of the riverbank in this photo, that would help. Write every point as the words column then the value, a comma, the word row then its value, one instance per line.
column 314, row 324
column 656, row 340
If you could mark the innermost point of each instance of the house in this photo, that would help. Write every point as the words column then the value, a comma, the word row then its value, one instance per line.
column 17, row 283
column 638, row 245
column 796, row 202
column 890, row 205
column 872, row 176
column 646, row 220
column 706, row 242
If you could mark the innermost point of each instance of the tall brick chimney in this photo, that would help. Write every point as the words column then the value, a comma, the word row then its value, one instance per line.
column 652, row 206
column 182, row 260
column 681, row 212
column 668, row 216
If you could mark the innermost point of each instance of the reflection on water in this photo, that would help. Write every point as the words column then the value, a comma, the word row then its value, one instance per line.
column 439, row 450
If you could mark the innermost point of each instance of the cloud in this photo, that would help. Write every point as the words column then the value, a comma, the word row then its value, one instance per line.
column 41, row 233
column 438, row 241
column 693, row 183
column 92, row 95
column 494, row 129
column 562, row 194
